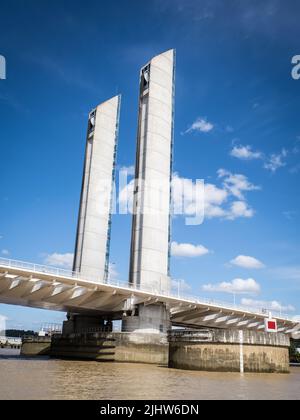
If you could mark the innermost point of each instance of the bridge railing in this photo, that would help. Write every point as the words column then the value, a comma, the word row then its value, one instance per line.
column 60, row 272
column 38, row 268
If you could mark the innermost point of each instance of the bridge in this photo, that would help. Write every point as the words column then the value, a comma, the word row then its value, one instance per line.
column 39, row 286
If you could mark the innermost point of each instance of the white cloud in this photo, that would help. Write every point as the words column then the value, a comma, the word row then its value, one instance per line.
column 245, row 153
column 200, row 125
column 180, row 284
column 236, row 184
column 272, row 162
column 129, row 170
column 5, row 252
column 239, row 209
column 126, row 196
column 214, row 194
column 239, row 286
column 188, row 250
column 270, row 305
column 60, row 260
column 217, row 201
column 276, row 161
column 66, row 261
column 112, row 272
column 247, row 262
column 185, row 200
column 3, row 320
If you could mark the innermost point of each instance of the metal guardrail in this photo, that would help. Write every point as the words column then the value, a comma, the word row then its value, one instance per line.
column 96, row 331
column 58, row 272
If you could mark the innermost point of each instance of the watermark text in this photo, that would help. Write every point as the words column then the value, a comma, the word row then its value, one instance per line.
column 2, row 67
column 296, row 68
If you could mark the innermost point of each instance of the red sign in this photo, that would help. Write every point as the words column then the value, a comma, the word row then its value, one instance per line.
column 271, row 325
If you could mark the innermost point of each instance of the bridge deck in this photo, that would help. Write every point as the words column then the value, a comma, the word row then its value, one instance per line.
column 36, row 286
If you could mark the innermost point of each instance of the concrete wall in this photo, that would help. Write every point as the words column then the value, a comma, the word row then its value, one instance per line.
column 226, row 358
column 221, row 351
column 229, row 337
column 150, row 229
column 79, row 323
column 89, row 346
column 142, row 348
column 113, row 347
column 37, row 346
column 92, row 243
column 150, row 319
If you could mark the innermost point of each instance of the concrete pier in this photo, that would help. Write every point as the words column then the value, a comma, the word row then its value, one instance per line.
column 36, row 346
column 148, row 319
column 206, row 350
column 229, row 351
column 113, row 347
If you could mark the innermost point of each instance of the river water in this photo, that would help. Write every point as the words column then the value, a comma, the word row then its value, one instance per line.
column 56, row 379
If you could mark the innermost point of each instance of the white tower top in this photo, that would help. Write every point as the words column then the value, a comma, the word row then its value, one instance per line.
column 93, row 232
column 149, row 265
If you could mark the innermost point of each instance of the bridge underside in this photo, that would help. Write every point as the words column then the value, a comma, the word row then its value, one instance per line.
column 38, row 289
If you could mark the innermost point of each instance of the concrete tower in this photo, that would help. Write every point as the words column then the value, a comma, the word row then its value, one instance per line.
column 93, row 231
column 150, row 243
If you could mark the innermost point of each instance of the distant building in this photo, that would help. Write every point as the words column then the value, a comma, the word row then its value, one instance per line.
column 10, row 341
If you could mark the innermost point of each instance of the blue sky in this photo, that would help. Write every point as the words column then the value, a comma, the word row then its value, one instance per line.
column 237, row 109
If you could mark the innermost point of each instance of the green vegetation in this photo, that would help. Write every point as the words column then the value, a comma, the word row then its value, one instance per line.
column 294, row 355
column 19, row 333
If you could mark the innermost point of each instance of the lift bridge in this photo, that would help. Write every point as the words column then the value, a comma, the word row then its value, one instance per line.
column 43, row 287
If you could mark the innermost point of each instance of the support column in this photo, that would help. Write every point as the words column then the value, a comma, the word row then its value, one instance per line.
column 150, row 241
column 91, row 258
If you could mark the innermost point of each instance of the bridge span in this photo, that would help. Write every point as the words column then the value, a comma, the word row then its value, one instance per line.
column 43, row 287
